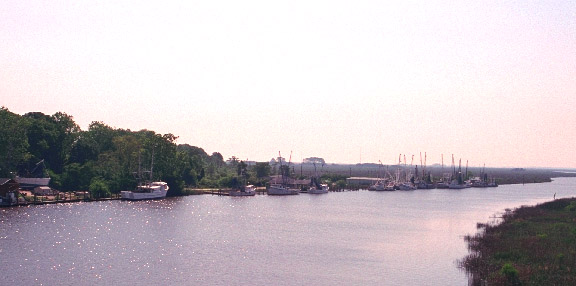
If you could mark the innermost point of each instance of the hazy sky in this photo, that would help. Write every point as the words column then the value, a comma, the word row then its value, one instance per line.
column 491, row 82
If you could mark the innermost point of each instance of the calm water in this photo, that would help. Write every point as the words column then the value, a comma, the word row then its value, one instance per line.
column 348, row 238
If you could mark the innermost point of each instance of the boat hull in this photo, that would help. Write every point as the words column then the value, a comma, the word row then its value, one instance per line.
column 323, row 189
column 406, row 187
column 456, row 186
column 278, row 190
column 138, row 196
column 246, row 191
column 154, row 191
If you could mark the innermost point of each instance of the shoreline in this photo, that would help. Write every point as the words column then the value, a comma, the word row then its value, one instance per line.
column 532, row 245
column 224, row 191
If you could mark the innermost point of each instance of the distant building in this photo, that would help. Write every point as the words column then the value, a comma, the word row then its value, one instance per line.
column 313, row 160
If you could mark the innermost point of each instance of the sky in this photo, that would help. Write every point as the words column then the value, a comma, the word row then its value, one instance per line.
column 492, row 82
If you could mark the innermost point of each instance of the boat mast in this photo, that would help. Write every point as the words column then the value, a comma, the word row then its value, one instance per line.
column 152, row 167
column 442, row 167
column 281, row 169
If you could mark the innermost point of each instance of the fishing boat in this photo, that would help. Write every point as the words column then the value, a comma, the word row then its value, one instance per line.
column 282, row 189
column 442, row 185
column 477, row 182
column 146, row 189
column 380, row 185
column 456, row 185
column 406, row 186
column 315, row 186
column 458, row 180
column 320, row 189
column 244, row 191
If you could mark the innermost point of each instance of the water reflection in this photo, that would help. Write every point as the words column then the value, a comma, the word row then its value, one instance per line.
column 351, row 238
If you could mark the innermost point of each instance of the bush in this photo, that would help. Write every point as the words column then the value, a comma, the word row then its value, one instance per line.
column 510, row 273
column 99, row 188
column 571, row 207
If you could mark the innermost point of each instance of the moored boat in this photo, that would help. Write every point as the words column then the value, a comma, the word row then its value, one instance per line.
column 281, row 190
column 380, row 185
column 321, row 189
column 406, row 186
column 456, row 185
column 248, row 190
column 147, row 191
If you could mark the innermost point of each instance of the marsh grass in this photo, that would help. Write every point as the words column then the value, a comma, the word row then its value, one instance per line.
column 531, row 246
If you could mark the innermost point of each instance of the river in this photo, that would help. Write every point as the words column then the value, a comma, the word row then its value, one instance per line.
column 339, row 238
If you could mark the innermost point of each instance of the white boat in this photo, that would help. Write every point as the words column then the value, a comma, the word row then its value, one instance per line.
column 148, row 191
column 322, row 189
column 406, row 186
column 442, row 185
column 380, row 185
column 281, row 190
column 455, row 185
column 249, row 190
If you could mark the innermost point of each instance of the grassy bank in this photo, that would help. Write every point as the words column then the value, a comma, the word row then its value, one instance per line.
column 531, row 246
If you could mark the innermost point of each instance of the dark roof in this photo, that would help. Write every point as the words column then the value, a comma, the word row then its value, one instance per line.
column 5, row 180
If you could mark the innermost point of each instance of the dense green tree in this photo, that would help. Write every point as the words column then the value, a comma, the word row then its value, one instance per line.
column 262, row 170
column 13, row 141
column 102, row 155
column 50, row 139
column 77, row 177
column 99, row 188
column 217, row 159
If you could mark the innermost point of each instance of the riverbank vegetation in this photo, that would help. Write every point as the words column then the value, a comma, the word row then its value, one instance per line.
column 103, row 159
column 531, row 246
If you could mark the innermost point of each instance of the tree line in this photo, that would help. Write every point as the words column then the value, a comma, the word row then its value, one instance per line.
column 106, row 158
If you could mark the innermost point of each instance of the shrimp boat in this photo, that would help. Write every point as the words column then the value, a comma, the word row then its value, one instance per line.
column 282, row 189
column 245, row 191
column 315, row 186
column 380, row 185
column 146, row 189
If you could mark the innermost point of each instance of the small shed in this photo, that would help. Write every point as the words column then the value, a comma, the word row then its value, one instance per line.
column 8, row 186
column 42, row 191
column 8, row 191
